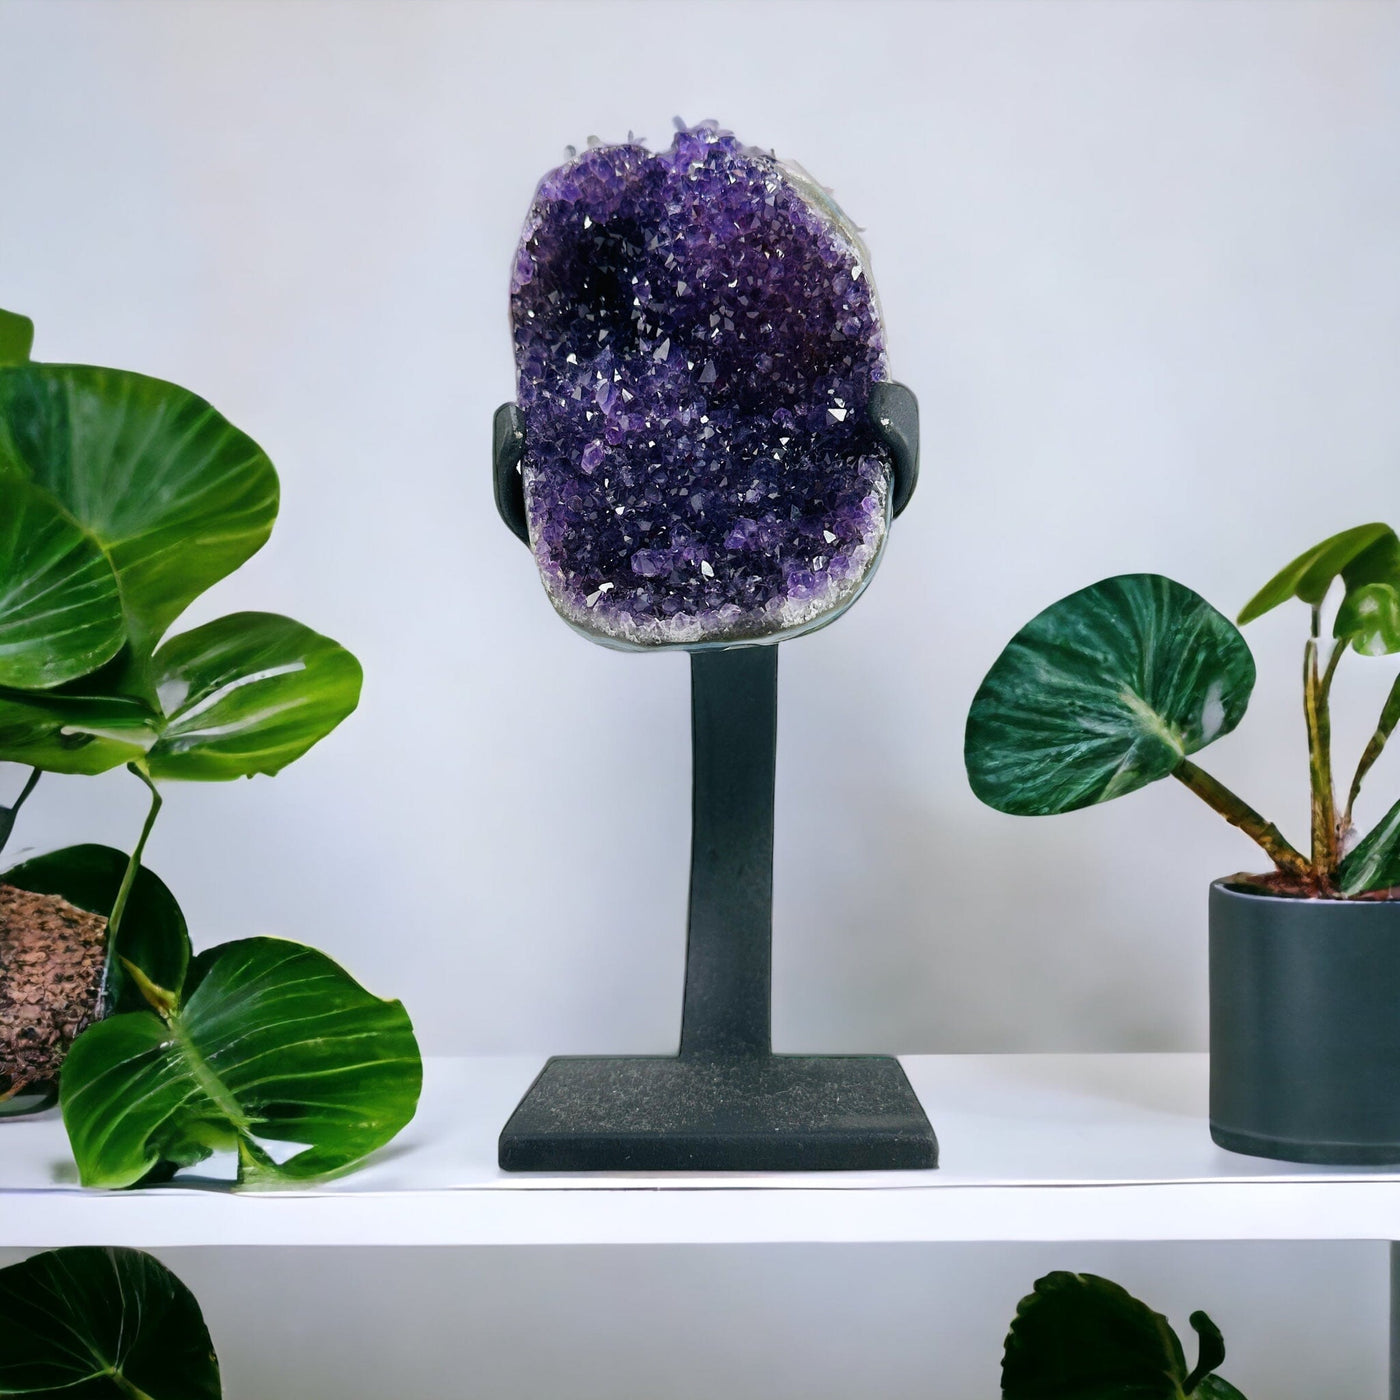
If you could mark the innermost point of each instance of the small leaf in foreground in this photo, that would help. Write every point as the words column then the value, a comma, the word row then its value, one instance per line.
column 1105, row 691
column 102, row 1324
column 272, row 1043
column 247, row 694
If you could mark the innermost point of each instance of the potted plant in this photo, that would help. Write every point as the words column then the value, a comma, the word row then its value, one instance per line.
column 122, row 498
column 1114, row 687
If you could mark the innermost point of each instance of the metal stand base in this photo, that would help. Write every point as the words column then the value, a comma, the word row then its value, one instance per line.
column 722, row 1113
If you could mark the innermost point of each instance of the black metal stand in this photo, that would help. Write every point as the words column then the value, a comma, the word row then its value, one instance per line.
column 726, row 1102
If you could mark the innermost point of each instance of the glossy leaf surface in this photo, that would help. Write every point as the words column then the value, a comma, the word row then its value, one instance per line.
column 152, row 935
column 102, row 1324
column 60, row 612
column 1374, row 863
column 1081, row 1337
column 16, row 338
column 1369, row 619
column 272, row 1043
column 248, row 694
column 1102, row 693
column 1364, row 554
column 173, row 492
column 71, row 730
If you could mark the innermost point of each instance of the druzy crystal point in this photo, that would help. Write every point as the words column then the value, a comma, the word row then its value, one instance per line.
column 696, row 336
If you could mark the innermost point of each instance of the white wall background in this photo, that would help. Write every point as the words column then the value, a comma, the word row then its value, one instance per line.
column 1141, row 262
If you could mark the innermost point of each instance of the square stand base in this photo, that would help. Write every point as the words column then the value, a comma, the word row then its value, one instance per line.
column 758, row 1113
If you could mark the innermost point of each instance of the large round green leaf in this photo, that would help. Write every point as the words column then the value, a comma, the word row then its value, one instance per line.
column 60, row 612
column 248, row 694
column 152, row 936
column 102, row 1324
column 1102, row 693
column 1081, row 1337
column 271, row 1042
column 173, row 492
column 74, row 729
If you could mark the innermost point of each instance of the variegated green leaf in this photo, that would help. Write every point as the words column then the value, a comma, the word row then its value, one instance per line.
column 1374, row 863
column 1102, row 693
column 271, row 1042
column 1369, row 619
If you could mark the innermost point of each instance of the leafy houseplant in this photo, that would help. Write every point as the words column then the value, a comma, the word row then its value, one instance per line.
column 1115, row 687
column 104, row 1324
column 1081, row 1337
column 122, row 498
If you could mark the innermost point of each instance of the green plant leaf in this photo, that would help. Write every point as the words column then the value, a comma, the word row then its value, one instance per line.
column 1374, row 862
column 1082, row 1337
column 1211, row 1349
column 1363, row 554
column 1369, row 619
column 73, row 730
column 272, row 1043
column 16, row 338
column 1102, row 693
column 248, row 694
column 176, row 496
column 153, row 935
column 102, row 1324
column 60, row 612
column 1216, row 1388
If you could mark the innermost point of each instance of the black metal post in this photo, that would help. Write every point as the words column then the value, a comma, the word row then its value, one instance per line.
column 726, row 1102
column 728, row 964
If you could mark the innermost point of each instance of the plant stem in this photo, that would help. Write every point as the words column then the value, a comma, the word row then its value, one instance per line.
column 1385, row 726
column 133, row 865
column 8, row 814
column 1239, row 813
column 1319, row 722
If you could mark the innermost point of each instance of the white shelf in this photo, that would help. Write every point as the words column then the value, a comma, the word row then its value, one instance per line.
column 1034, row 1147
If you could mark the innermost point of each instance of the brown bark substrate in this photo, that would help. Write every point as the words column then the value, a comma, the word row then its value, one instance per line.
column 51, row 956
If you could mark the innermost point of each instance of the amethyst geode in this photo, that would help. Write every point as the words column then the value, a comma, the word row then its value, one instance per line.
column 696, row 336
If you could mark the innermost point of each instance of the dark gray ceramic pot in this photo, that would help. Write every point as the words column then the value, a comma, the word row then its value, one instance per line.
column 1305, row 1028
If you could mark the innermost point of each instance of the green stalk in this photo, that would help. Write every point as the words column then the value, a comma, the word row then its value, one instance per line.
column 114, row 919
column 1239, row 813
column 1385, row 726
column 8, row 814
column 1319, row 721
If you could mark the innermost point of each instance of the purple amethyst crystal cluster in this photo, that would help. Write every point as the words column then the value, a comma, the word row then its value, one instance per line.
column 696, row 336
